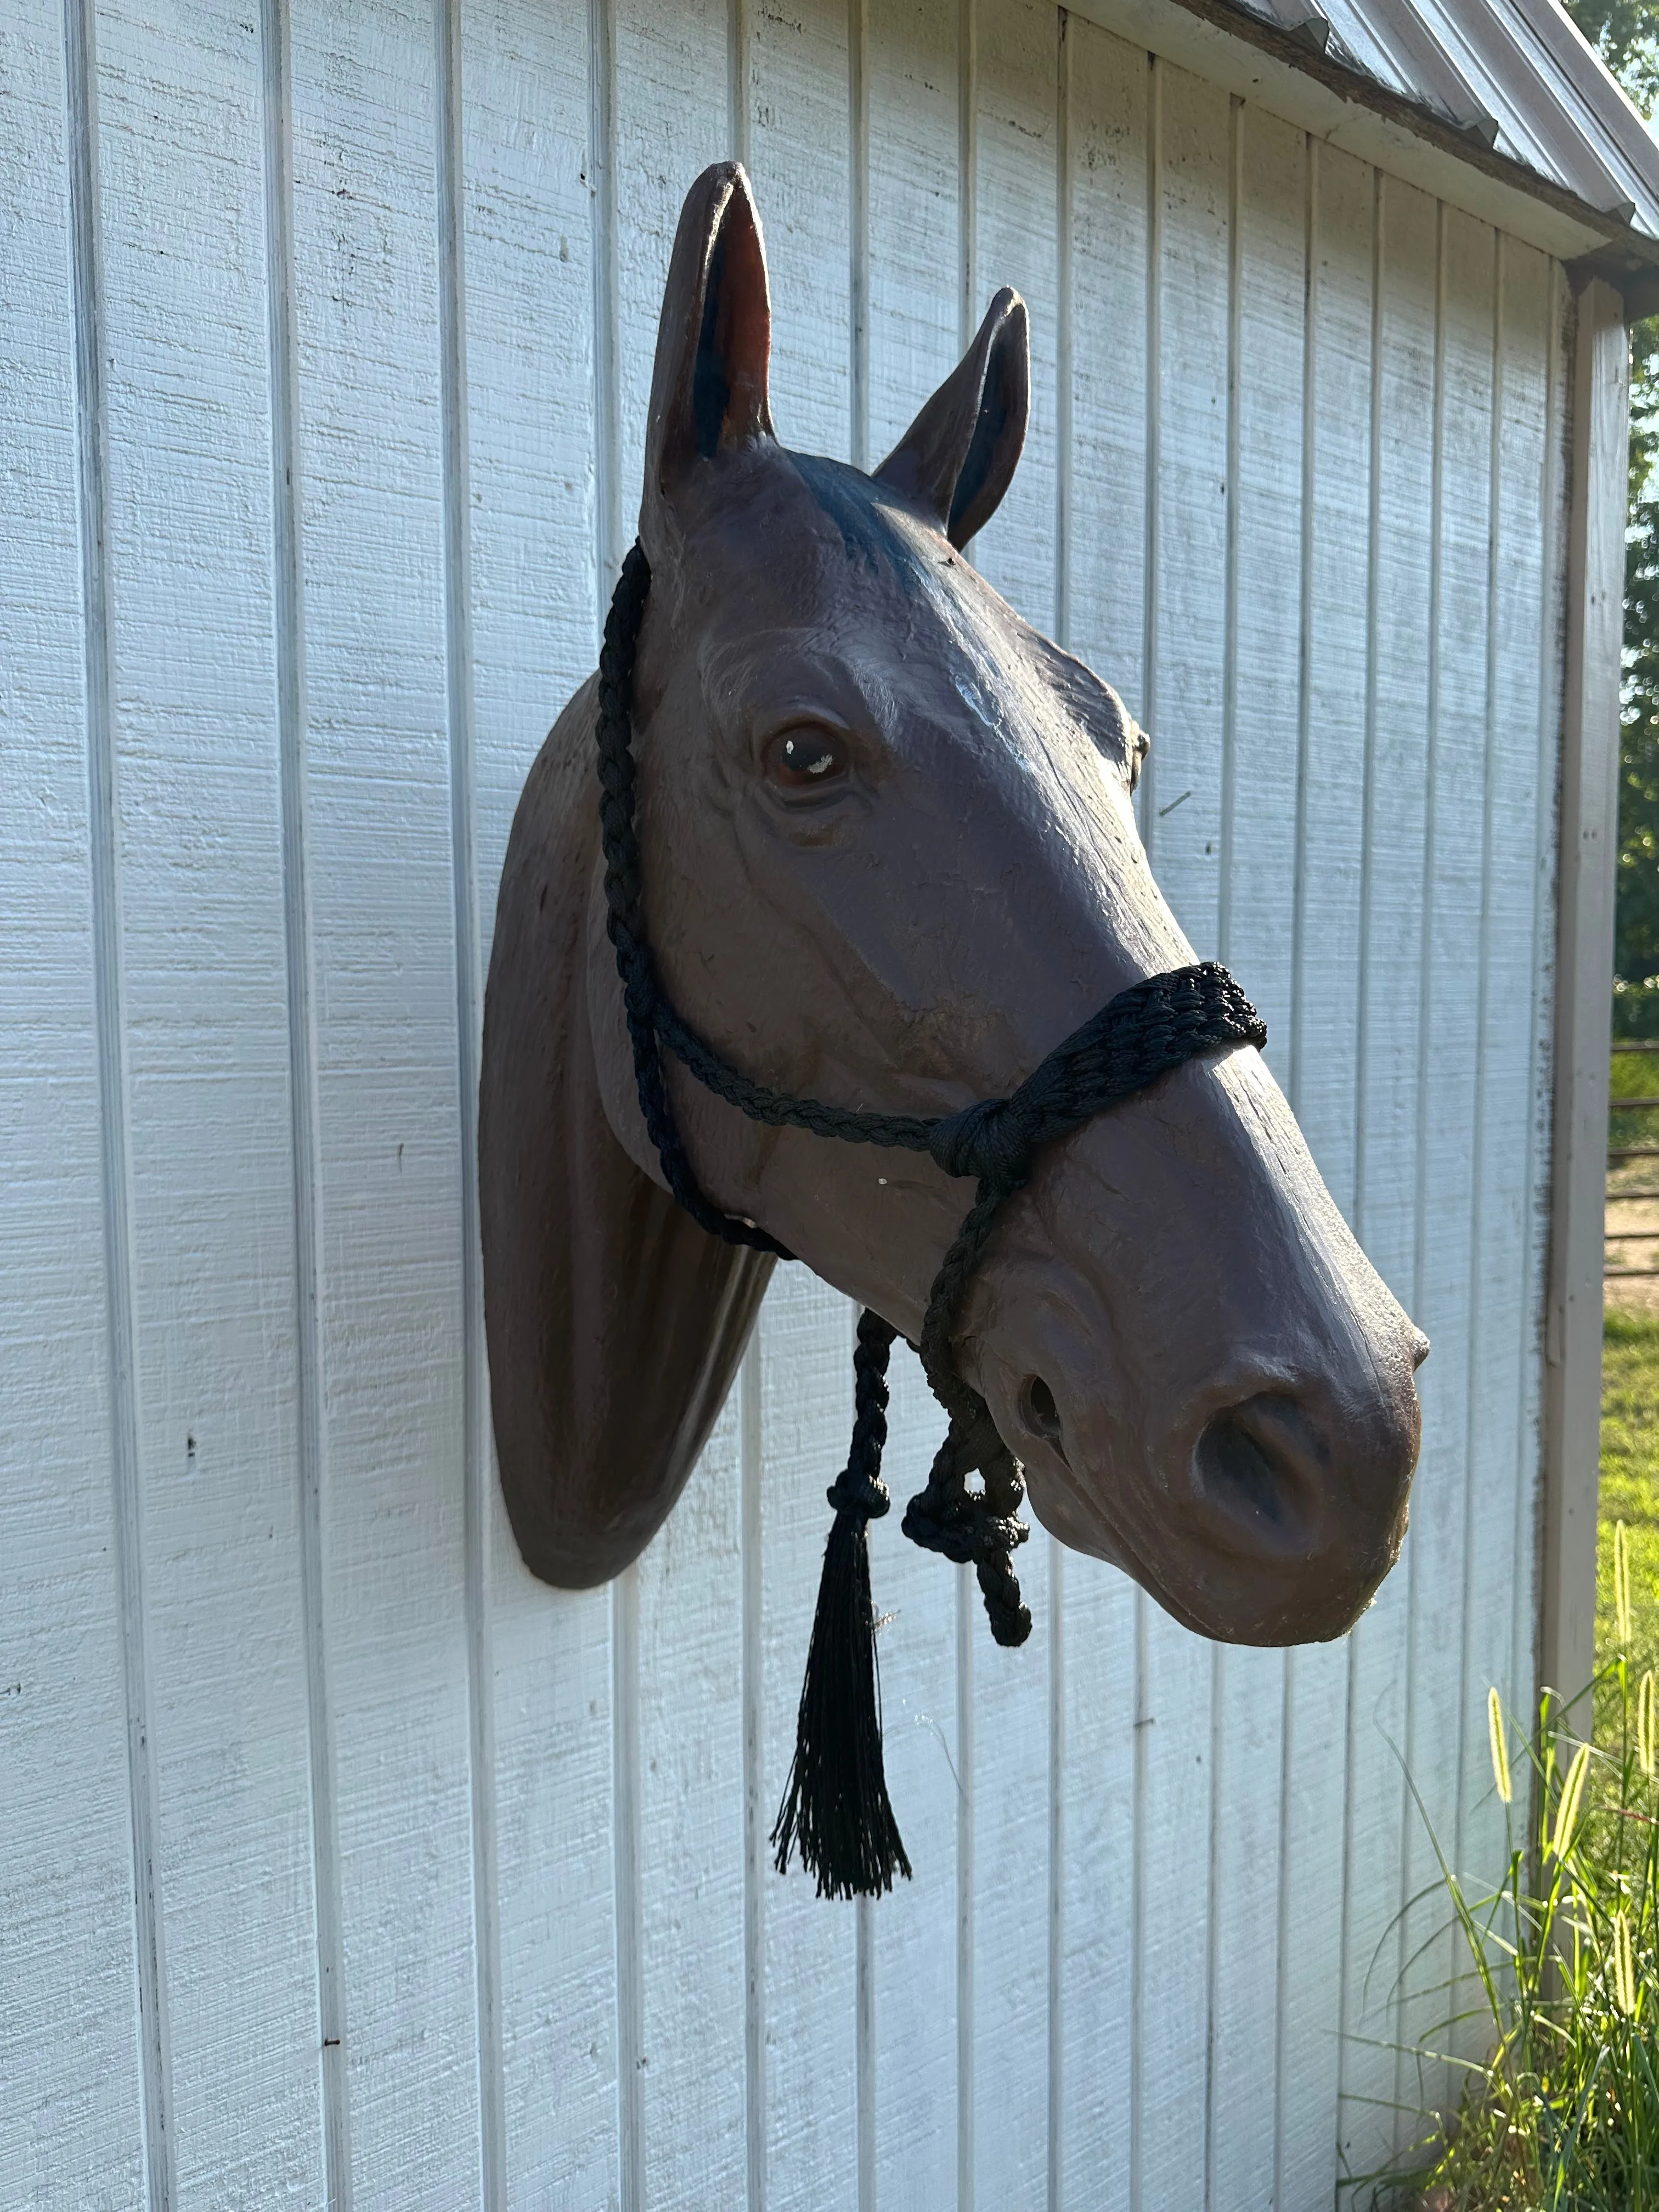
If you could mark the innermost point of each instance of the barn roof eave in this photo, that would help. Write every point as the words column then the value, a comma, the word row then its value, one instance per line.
column 1498, row 106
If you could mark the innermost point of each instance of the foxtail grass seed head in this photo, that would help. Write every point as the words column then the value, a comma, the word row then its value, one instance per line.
column 1500, row 1750
column 1622, row 1583
column 1624, row 1966
column 1566, row 1810
column 1646, row 1745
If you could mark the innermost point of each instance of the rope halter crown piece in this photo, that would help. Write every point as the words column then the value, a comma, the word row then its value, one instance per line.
column 836, row 1805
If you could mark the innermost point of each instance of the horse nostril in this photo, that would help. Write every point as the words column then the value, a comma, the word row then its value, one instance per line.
column 1038, row 1410
column 1235, row 1470
column 1255, row 1462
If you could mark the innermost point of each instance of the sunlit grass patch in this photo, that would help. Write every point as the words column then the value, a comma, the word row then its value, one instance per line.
column 1564, row 1953
column 1564, row 1960
column 1629, row 1483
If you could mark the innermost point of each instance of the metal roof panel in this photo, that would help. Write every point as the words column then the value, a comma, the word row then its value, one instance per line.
column 1520, row 75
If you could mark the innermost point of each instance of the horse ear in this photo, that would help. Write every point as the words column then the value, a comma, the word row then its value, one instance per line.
column 708, row 389
column 958, row 457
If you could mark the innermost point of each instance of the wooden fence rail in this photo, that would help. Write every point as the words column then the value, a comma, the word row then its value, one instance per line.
column 1617, row 1154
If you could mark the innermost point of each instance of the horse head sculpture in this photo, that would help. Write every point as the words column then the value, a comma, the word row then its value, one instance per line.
column 888, row 858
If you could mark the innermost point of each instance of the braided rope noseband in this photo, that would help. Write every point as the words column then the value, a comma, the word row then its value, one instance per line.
column 836, row 1806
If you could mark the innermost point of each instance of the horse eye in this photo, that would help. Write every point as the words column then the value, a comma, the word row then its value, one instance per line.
column 804, row 760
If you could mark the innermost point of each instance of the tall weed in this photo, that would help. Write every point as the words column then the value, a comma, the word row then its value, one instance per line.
column 1564, row 1960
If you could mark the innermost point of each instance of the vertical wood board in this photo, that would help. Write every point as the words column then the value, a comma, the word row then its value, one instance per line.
column 1392, row 799
column 1100, row 616
column 366, row 309
column 1322, row 1062
column 1181, row 823
column 1436, row 1561
column 530, row 419
column 204, row 992
column 910, row 61
column 69, row 2040
column 1261, row 772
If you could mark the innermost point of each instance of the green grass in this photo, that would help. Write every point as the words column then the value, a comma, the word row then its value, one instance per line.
column 1635, row 1075
column 1630, row 1480
column 1564, row 2114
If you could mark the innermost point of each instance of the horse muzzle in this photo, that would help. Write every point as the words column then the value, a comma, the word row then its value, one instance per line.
column 1206, row 1380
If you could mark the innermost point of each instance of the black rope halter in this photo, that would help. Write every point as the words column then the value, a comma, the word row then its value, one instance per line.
column 836, row 1806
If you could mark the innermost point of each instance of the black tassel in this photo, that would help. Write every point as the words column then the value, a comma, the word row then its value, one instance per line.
column 836, row 1807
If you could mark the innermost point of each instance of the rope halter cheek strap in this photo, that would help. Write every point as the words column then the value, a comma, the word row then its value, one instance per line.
column 836, row 1806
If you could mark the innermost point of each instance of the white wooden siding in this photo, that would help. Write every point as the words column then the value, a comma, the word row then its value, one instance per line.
column 343, row 1863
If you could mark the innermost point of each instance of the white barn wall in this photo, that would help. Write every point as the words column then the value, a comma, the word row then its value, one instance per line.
column 460, row 1886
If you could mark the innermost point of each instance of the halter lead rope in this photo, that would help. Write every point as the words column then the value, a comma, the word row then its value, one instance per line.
column 836, row 1805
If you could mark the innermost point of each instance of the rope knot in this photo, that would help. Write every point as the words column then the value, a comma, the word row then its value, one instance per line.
column 863, row 1495
column 991, row 1140
column 858, row 1490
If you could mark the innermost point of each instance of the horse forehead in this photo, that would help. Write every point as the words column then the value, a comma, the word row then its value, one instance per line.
column 799, row 561
column 917, row 623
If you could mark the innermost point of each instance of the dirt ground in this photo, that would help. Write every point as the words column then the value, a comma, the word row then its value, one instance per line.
column 1625, row 1214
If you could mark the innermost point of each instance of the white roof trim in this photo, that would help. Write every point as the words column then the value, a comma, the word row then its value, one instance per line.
column 1499, row 107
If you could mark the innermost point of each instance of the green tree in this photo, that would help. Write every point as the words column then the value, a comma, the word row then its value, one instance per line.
column 1626, row 32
